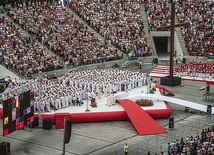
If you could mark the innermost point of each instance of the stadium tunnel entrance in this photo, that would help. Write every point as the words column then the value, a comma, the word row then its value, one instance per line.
column 161, row 45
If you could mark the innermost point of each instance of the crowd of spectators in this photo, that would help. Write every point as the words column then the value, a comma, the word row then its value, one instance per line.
column 62, row 33
column 199, row 35
column 20, row 52
column 158, row 14
column 196, row 69
column 119, row 22
column 201, row 144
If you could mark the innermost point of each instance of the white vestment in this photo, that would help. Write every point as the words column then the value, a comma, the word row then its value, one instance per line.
column 140, row 82
column 63, row 101
column 113, row 100
column 59, row 103
column 109, row 101
column 105, row 92
column 66, row 101
column 99, row 94
column 47, row 105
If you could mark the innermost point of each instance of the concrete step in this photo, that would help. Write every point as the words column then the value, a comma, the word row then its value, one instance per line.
column 146, row 26
column 180, row 38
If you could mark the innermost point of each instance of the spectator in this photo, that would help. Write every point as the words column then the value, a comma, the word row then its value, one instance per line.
column 119, row 23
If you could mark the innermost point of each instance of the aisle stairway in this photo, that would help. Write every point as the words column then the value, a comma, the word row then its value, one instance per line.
column 96, row 34
column 146, row 27
column 181, row 39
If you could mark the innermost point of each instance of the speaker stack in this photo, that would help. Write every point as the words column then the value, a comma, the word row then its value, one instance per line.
column 184, row 60
column 209, row 109
column 35, row 122
column 47, row 123
column 4, row 148
column 68, row 124
column 171, row 122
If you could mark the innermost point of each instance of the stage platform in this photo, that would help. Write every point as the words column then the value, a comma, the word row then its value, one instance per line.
column 117, row 112
column 102, row 112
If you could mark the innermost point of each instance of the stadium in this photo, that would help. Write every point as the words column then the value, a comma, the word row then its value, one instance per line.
column 91, row 61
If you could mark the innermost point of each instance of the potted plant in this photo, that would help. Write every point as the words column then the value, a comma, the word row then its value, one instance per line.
column 93, row 104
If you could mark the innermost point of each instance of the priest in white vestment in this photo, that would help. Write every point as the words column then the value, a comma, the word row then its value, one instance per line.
column 99, row 94
column 113, row 100
column 108, row 101
column 66, row 101
column 63, row 101
column 58, row 101
column 47, row 105
column 105, row 92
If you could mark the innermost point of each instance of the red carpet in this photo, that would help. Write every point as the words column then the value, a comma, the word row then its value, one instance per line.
column 165, row 89
column 143, row 123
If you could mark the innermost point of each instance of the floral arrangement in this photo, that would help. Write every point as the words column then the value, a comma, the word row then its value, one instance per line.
column 93, row 104
column 144, row 102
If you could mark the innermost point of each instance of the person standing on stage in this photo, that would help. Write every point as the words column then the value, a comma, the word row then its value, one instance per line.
column 126, row 149
column 105, row 92
column 99, row 94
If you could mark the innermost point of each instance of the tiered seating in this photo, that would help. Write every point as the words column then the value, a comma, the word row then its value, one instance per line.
column 62, row 33
column 197, row 68
column 119, row 22
column 158, row 14
column 200, row 35
column 21, row 53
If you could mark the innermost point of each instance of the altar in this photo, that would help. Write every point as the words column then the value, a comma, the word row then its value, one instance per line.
column 121, row 95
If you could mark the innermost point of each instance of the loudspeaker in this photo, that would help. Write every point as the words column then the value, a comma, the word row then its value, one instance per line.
column 4, row 148
column 47, row 123
column 35, row 122
column 171, row 122
column 156, row 60
column 186, row 109
column 67, row 135
column 184, row 60
column 209, row 109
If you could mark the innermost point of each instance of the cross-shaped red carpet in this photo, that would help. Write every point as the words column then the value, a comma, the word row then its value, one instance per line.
column 143, row 123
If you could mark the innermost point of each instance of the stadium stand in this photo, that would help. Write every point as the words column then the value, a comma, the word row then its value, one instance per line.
column 21, row 53
column 119, row 22
column 200, row 35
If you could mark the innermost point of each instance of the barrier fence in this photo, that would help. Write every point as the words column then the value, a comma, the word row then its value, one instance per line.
column 158, row 143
